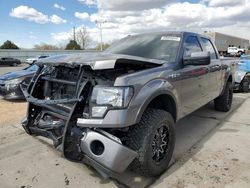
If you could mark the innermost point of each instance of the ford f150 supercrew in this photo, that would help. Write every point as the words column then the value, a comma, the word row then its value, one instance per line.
column 117, row 109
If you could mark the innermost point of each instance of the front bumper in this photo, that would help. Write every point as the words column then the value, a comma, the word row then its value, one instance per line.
column 106, row 150
column 12, row 92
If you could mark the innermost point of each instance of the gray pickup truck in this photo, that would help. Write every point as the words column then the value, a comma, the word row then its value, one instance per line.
column 117, row 110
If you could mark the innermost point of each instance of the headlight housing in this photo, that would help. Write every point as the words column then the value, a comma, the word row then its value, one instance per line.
column 104, row 98
column 13, row 83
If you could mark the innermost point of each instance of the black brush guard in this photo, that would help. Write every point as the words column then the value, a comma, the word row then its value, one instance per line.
column 55, row 107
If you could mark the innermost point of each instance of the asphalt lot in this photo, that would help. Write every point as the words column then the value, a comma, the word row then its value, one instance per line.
column 212, row 150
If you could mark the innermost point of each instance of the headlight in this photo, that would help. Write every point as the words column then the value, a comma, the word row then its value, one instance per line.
column 104, row 98
column 14, row 81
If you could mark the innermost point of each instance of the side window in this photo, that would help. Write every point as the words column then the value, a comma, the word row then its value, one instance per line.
column 209, row 48
column 191, row 44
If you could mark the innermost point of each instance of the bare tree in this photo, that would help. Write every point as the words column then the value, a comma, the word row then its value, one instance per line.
column 44, row 46
column 82, row 37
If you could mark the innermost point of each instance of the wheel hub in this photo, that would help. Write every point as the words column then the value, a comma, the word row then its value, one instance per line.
column 160, row 144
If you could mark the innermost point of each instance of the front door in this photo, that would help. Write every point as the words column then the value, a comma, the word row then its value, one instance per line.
column 192, row 78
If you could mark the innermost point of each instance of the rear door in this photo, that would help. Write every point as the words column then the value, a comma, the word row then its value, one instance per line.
column 214, row 83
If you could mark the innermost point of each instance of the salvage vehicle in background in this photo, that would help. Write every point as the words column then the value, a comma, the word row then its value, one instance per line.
column 34, row 59
column 242, row 74
column 9, row 61
column 117, row 109
column 10, row 82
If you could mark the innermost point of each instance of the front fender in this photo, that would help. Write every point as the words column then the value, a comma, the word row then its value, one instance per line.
column 151, row 90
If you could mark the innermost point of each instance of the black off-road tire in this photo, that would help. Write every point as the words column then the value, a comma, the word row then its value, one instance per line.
column 14, row 64
column 245, row 86
column 142, row 136
column 223, row 103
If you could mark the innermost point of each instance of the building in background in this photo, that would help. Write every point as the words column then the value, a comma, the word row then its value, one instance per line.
column 223, row 41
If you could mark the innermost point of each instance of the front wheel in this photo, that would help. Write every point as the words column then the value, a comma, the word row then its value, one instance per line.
column 154, row 140
column 224, row 102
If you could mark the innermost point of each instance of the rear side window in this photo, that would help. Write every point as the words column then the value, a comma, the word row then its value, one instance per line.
column 209, row 48
column 191, row 45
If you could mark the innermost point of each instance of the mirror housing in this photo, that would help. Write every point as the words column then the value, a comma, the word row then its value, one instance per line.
column 197, row 58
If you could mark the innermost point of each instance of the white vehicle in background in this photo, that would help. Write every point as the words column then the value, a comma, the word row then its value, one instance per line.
column 34, row 59
column 235, row 51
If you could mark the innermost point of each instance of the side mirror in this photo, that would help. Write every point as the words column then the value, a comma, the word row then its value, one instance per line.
column 197, row 58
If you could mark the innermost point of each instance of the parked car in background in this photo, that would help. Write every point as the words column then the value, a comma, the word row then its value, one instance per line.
column 34, row 59
column 235, row 51
column 242, row 74
column 10, row 82
column 9, row 61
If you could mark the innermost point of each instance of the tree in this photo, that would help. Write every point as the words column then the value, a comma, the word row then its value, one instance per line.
column 45, row 46
column 104, row 46
column 73, row 45
column 9, row 45
column 82, row 37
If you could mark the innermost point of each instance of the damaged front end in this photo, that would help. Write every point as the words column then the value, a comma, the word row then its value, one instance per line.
column 61, row 94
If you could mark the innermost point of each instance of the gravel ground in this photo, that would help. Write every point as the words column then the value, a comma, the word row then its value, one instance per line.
column 11, row 112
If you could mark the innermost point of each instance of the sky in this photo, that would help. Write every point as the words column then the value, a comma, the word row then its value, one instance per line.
column 27, row 22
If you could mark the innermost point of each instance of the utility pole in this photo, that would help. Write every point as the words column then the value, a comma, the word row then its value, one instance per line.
column 74, row 33
column 99, row 24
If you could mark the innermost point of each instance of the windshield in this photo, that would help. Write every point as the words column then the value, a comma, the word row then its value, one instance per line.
column 33, row 67
column 160, row 46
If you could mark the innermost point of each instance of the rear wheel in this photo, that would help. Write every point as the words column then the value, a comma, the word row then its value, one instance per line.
column 154, row 140
column 14, row 64
column 224, row 102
